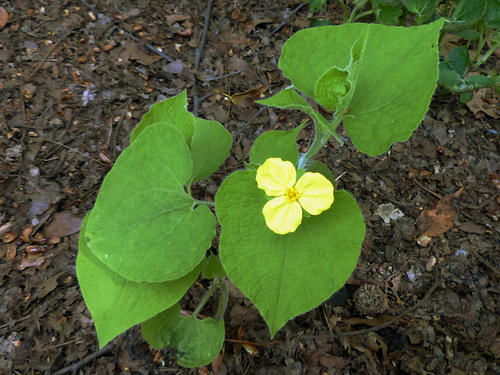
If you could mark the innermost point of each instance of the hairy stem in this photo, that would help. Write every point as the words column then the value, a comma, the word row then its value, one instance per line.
column 205, row 299
column 224, row 295
column 321, row 137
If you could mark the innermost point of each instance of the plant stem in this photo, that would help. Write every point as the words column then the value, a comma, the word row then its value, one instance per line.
column 204, row 203
column 356, row 10
column 205, row 299
column 346, row 9
column 364, row 14
column 321, row 137
column 482, row 41
column 487, row 54
column 224, row 295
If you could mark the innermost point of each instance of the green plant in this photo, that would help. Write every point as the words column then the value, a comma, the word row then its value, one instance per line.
column 145, row 241
column 474, row 23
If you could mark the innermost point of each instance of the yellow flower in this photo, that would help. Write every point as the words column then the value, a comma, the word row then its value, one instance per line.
column 312, row 192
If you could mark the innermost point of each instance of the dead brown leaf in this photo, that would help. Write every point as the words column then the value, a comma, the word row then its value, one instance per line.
column 47, row 286
column 485, row 100
column 63, row 224
column 246, row 98
column 439, row 219
column 4, row 17
column 173, row 18
column 131, row 50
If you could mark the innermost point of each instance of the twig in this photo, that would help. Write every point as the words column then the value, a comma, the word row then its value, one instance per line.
column 427, row 190
column 15, row 321
column 74, row 150
column 51, row 49
column 91, row 357
column 197, row 102
column 285, row 19
column 254, row 116
column 254, row 343
column 114, row 135
column 396, row 318
column 199, row 50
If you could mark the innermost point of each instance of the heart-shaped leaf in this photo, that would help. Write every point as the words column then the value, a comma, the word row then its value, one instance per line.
column 143, row 222
column 117, row 304
column 285, row 275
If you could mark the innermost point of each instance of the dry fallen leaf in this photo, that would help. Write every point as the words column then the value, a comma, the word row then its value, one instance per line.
column 485, row 100
column 63, row 224
column 4, row 17
column 439, row 219
column 246, row 98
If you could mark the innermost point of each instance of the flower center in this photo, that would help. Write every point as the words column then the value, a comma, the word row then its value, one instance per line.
column 292, row 194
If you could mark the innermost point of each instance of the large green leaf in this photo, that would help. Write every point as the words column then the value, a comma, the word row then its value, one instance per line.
column 208, row 141
column 143, row 225
column 197, row 342
column 397, row 76
column 423, row 8
column 276, row 143
column 285, row 275
column 117, row 304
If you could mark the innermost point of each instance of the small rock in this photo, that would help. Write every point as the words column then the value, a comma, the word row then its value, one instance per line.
column 388, row 212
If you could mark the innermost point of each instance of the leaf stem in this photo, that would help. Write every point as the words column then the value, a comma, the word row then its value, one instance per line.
column 224, row 296
column 204, row 203
column 205, row 299
column 321, row 137
column 364, row 14
column 482, row 41
column 356, row 10
column 486, row 56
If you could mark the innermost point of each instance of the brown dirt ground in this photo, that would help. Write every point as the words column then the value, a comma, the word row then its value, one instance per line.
column 76, row 77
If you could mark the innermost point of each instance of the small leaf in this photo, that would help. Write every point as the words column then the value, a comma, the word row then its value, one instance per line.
column 213, row 269
column 492, row 14
column 276, row 143
column 469, row 34
column 290, row 99
column 332, row 87
column 458, row 59
column 315, row 5
column 285, row 275
column 117, row 304
column 449, row 78
column 210, row 146
column 467, row 14
column 143, row 224
column 208, row 141
column 388, row 14
column 423, row 8
column 197, row 342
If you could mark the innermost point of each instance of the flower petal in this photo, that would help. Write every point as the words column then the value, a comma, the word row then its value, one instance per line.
column 275, row 176
column 282, row 216
column 316, row 192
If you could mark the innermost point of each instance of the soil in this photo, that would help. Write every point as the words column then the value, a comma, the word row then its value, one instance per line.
column 76, row 77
